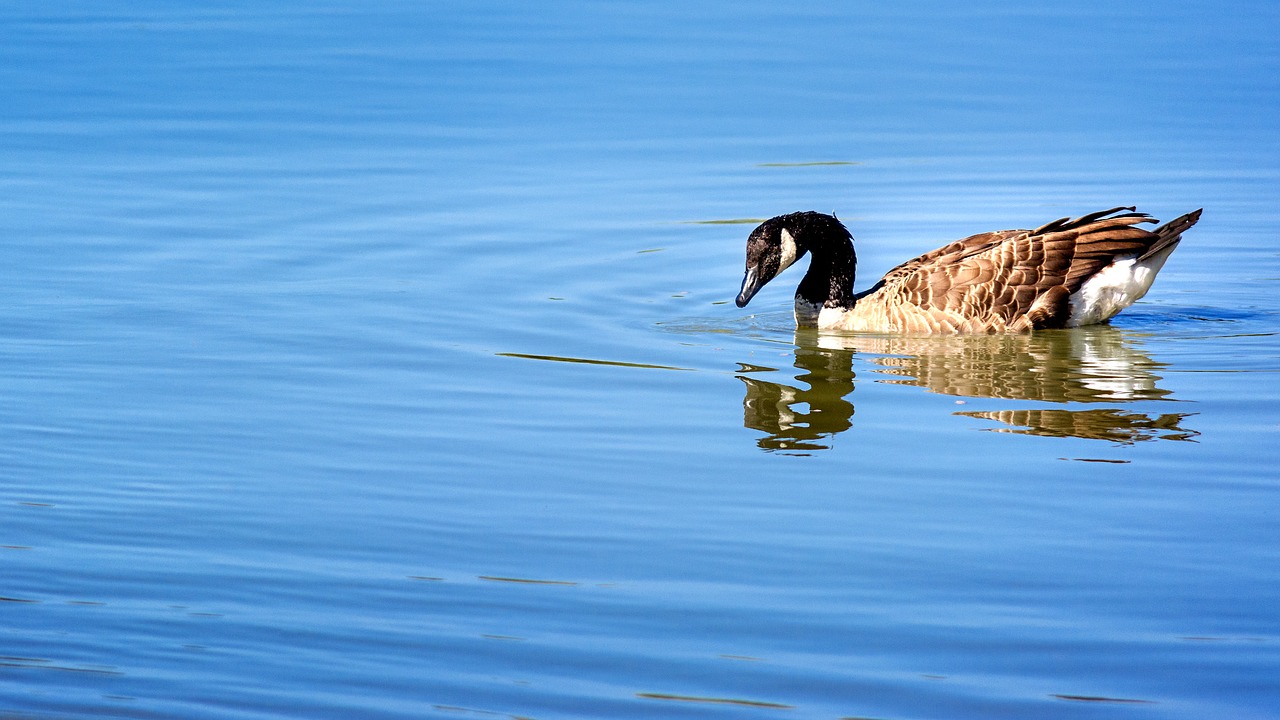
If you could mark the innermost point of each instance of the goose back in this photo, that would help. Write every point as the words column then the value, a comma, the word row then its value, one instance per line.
column 1012, row 280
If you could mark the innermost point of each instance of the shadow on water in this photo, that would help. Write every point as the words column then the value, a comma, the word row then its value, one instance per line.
column 1097, row 365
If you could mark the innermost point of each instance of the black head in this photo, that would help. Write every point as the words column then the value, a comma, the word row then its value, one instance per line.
column 778, row 242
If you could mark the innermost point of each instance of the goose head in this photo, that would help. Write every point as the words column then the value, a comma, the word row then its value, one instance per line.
column 777, row 243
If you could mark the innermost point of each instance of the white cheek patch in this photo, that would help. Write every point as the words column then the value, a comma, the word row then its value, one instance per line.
column 788, row 250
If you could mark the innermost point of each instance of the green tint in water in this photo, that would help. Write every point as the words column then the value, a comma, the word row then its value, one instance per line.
column 588, row 361
column 806, row 164
column 1090, row 365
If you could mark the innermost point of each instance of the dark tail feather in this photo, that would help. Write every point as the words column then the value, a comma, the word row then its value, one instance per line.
column 1086, row 219
column 1168, row 234
column 1065, row 222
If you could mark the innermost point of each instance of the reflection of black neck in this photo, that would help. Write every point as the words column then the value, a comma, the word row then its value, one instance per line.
column 774, row 408
column 829, row 282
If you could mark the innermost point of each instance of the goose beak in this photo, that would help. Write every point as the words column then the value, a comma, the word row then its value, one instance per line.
column 750, row 284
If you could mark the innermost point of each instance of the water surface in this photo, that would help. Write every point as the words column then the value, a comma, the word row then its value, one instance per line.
column 381, row 362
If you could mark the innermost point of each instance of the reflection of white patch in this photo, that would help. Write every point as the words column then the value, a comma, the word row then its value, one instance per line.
column 835, row 342
column 1110, row 370
column 1114, row 288
column 789, row 251
column 786, row 416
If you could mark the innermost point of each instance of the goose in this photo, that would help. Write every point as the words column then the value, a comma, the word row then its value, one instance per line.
column 1065, row 273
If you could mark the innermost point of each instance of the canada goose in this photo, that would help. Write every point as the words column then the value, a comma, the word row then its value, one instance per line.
column 1066, row 273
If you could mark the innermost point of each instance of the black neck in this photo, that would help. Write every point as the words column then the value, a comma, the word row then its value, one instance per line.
column 829, row 282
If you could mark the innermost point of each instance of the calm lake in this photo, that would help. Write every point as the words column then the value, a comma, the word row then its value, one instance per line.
column 379, row 360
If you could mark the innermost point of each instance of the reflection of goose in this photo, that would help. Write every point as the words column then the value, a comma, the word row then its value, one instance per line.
column 1066, row 273
column 1091, row 365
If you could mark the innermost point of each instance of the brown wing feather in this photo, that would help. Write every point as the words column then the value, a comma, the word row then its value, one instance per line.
column 1010, row 279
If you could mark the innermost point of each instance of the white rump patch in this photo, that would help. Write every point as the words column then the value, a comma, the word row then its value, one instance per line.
column 1114, row 288
column 789, row 250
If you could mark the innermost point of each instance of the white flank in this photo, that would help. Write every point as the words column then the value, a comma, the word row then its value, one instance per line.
column 1114, row 288
column 831, row 318
column 789, row 251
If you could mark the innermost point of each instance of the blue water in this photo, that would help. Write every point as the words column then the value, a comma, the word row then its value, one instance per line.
column 381, row 362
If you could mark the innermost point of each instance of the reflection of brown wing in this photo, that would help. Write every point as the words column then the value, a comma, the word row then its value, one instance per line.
column 1092, row 364
column 1009, row 279
column 1112, row 425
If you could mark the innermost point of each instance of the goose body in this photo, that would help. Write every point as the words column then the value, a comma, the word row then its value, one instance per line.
column 1066, row 273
